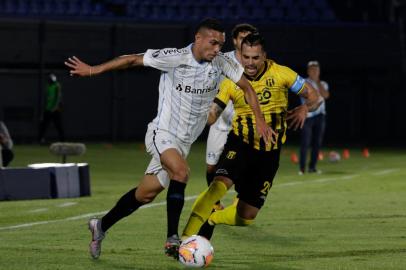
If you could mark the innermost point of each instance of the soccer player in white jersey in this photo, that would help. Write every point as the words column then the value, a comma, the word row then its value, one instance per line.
column 219, row 130
column 188, row 84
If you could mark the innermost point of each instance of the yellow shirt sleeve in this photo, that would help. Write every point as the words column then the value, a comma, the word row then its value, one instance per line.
column 225, row 93
column 294, row 82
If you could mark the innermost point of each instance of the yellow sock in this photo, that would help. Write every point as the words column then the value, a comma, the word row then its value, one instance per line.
column 229, row 216
column 203, row 206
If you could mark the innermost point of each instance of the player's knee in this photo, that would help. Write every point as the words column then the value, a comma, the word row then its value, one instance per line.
column 181, row 173
column 146, row 198
column 211, row 168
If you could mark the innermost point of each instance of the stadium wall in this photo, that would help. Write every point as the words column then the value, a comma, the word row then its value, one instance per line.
column 362, row 64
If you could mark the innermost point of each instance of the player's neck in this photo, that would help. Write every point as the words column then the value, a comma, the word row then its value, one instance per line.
column 196, row 54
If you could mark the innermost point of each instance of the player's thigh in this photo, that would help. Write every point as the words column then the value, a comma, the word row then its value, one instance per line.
column 258, row 179
column 175, row 164
column 232, row 161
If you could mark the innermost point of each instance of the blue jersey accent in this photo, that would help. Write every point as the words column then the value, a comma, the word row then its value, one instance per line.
column 297, row 85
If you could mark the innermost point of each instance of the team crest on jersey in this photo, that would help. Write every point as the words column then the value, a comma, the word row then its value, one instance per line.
column 270, row 82
column 213, row 73
column 231, row 154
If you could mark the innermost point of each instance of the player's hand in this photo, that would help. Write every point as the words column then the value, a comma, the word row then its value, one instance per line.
column 266, row 132
column 78, row 67
column 297, row 116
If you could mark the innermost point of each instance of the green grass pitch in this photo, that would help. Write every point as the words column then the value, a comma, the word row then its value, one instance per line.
column 353, row 216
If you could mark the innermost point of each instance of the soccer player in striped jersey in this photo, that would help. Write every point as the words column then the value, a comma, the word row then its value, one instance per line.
column 219, row 130
column 247, row 161
column 189, row 81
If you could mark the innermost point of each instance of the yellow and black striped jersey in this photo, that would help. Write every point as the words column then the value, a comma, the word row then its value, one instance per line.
column 271, row 86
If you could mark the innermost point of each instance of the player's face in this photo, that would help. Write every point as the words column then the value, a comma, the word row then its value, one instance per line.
column 313, row 72
column 208, row 44
column 253, row 59
column 237, row 41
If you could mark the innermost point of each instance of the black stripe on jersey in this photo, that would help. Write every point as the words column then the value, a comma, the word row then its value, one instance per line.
column 262, row 145
column 220, row 103
column 250, row 131
column 282, row 131
column 240, row 127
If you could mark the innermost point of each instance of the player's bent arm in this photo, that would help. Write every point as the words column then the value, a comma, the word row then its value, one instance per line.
column 214, row 113
column 323, row 91
column 312, row 98
column 82, row 69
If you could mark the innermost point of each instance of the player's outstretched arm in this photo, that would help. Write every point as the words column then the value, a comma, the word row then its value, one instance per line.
column 264, row 131
column 80, row 68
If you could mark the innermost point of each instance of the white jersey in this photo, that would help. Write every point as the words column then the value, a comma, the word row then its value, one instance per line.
column 224, row 122
column 187, row 89
column 322, row 108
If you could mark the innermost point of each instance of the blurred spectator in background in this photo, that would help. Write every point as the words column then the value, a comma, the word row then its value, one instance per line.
column 314, row 126
column 53, row 109
column 6, row 146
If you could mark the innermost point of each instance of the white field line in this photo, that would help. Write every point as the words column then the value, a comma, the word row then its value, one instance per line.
column 321, row 180
column 388, row 171
column 67, row 204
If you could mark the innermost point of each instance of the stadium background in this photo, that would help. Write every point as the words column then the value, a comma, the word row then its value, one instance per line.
column 360, row 45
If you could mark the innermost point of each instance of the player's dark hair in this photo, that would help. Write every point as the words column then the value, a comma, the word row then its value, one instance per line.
column 211, row 24
column 243, row 27
column 254, row 40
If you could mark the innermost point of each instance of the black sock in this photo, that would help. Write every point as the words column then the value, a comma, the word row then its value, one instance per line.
column 206, row 230
column 175, row 199
column 209, row 177
column 124, row 207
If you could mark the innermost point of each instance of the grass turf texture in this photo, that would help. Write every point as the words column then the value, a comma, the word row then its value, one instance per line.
column 353, row 216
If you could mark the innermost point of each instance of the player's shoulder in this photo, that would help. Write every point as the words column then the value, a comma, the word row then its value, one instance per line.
column 224, row 58
column 170, row 52
column 280, row 68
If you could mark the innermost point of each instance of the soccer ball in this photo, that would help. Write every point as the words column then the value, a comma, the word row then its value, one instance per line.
column 196, row 251
column 333, row 156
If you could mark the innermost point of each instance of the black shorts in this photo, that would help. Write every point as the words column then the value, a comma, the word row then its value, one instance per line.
column 251, row 170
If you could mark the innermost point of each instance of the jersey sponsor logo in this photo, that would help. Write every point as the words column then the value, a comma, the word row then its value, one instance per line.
column 156, row 53
column 173, row 51
column 264, row 97
column 189, row 89
column 231, row 154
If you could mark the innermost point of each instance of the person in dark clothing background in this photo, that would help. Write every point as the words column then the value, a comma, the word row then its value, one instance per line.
column 53, row 109
column 6, row 146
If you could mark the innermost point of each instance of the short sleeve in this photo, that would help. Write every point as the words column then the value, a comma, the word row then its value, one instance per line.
column 224, row 95
column 163, row 59
column 230, row 68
